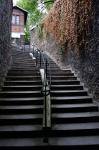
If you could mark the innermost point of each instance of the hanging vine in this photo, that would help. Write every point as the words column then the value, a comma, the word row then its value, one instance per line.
column 68, row 20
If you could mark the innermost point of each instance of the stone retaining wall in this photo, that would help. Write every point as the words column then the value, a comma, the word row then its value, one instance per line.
column 5, row 31
column 83, row 55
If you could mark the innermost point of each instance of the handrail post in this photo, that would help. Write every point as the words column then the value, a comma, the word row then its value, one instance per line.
column 36, row 57
column 33, row 49
column 24, row 47
column 45, row 107
column 40, row 58
column 29, row 48
column 46, row 68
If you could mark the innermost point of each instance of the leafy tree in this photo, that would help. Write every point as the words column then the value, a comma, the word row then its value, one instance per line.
column 29, row 5
column 27, row 34
column 35, row 13
column 48, row 3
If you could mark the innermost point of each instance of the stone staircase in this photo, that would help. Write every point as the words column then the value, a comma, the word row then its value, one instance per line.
column 75, row 118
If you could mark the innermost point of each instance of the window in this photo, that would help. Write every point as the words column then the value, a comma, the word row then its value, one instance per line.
column 15, row 20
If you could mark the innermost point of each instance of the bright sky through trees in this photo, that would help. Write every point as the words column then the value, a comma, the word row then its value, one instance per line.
column 14, row 2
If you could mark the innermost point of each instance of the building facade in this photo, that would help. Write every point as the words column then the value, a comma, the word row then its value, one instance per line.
column 19, row 17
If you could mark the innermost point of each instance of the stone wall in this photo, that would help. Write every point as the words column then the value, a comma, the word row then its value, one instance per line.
column 49, row 46
column 84, row 59
column 81, row 41
column 5, row 31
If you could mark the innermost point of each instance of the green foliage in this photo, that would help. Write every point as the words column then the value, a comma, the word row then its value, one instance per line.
column 27, row 34
column 39, row 30
column 35, row 15
column 48, row 3
column 29, row 5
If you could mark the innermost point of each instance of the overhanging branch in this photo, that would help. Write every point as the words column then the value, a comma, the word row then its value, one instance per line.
column 49, row 1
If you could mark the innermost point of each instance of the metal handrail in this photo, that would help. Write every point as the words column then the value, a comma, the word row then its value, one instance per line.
column 50, row 78
column 39, row 55
column 45, row 91
column 46, row 64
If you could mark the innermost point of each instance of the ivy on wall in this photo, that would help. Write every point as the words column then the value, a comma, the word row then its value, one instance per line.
column 68, row 19
column 74, row 25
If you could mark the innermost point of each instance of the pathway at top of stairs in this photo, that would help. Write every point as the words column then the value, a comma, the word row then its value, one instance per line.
column 75, row 118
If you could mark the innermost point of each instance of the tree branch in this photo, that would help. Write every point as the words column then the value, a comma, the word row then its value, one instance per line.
column 50, row 1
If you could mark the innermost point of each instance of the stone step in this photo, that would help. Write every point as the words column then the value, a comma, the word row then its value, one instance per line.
column 21, row 101
column 22, row 143
column 49, row 65
column 61, row 74
column 63, row 108
column 24, row 68
column 21, row 88
column 84, row 117
column 61, row 130
column 70, row 143
column 23, row 73
column 23, row 59
column 21, row 119
column 13, row 83
column 66, row 87
column 63, row 78
column 75, row 117
column 23, row 76
column 69, row 93
column 71, row 100
column 74, row 126
column 21, row 131
column 31, row 128
column 38, row 100
column 23, row 109
column 8, row 78
column 22, row 63
column 64, row 82
column 59, row 71
column 25, row 62
column 76, row 142
column 14, row 94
